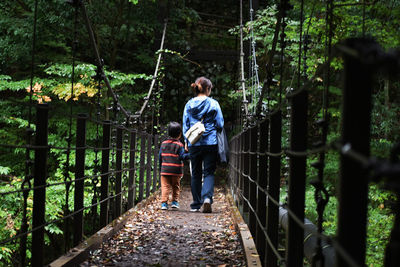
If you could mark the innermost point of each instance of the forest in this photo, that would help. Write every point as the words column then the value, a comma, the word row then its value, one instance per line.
column 46, row 56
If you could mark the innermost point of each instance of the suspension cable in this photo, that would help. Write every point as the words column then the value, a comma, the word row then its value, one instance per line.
column 255, row 81
column 153, row 81
column 285, row 7
column 99, row 60
column 242, row 79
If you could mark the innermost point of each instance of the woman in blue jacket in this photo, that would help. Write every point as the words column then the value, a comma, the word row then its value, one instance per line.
column 203, row 153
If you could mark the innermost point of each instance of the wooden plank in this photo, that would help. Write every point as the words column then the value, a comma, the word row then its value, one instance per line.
column 252, row 256
column 81, row 252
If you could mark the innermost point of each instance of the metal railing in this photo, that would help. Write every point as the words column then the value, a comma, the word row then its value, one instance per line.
column 256, row 162
column 125, row 173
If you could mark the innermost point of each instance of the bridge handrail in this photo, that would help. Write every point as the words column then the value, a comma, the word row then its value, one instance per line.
column 139, row 180
column 257, row 153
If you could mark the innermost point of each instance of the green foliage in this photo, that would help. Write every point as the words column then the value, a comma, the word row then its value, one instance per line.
column 127, row 33
column 380, row 223
column 7, row 84
column 4, row 170
column 5, row 255
column 386, row 124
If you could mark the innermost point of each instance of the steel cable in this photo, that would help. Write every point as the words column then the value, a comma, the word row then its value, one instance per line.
column 242, row 79
column 264, row 230
column 65, row 217
column 139, row 113
column 71, row 181
column 328, row 239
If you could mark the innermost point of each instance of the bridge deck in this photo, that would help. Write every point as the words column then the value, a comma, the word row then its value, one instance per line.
column 153, row 237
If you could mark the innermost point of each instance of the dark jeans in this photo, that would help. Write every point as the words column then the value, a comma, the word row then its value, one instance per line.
column 204, row 163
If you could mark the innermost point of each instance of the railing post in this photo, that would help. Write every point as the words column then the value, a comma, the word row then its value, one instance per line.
column 252, row 186
column 132, row 171
column 245, row 170
column 79, row 174
column 39, row 194
column 297, row 178
column 231, row 177
column 148, row 166
column 238, row 156
column 274, row 179
column 233, row 166
column 240, row 183
column 142, row 164
column 105, row 166
column 118, row 174
column 155, row 164
column 261, row 196
column 353, row 186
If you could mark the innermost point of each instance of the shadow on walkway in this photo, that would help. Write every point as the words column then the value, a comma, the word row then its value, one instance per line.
column 154, row 237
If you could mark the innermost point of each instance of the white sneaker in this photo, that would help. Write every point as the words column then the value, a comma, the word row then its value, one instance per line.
column 195, row 210
column 207, row 206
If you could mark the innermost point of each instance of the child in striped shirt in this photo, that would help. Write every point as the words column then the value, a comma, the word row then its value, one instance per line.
column 171, row 155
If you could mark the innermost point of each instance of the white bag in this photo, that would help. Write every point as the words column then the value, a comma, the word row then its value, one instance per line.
column 195, row 132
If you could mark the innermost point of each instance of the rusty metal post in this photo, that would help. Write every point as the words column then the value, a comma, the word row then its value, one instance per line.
column 155, row 164
column 79, row 174
column 356, row 121
column 241, row 177
column 262, row 181
column 297, row 178
column 142, row 164
column 39, row 182
column 253, row 136
column 236, row 163
column 148, row 166
column 105, row 166
column 132, row 170
column 118, row 173
column 274, row 179
column 240, row 172
column 245, row 171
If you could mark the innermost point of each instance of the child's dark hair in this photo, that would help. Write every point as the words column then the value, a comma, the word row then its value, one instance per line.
column 174, row 129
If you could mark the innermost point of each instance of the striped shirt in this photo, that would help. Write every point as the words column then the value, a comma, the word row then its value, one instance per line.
column 171, row 155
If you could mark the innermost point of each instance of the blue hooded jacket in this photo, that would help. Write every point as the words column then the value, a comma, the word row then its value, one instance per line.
column 208, row 109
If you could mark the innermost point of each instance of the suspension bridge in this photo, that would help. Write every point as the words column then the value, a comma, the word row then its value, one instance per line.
column 120, row 186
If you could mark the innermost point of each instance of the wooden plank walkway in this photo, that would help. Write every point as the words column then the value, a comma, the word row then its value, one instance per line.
column 154, row 237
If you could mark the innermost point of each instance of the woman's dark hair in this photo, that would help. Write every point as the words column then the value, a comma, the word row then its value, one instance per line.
column 174, row 129
column 201, row 85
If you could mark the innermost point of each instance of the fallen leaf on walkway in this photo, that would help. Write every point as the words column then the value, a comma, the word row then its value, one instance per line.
column 154, row 237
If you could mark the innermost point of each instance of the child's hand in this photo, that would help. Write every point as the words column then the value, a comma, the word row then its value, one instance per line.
column 186, row 147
